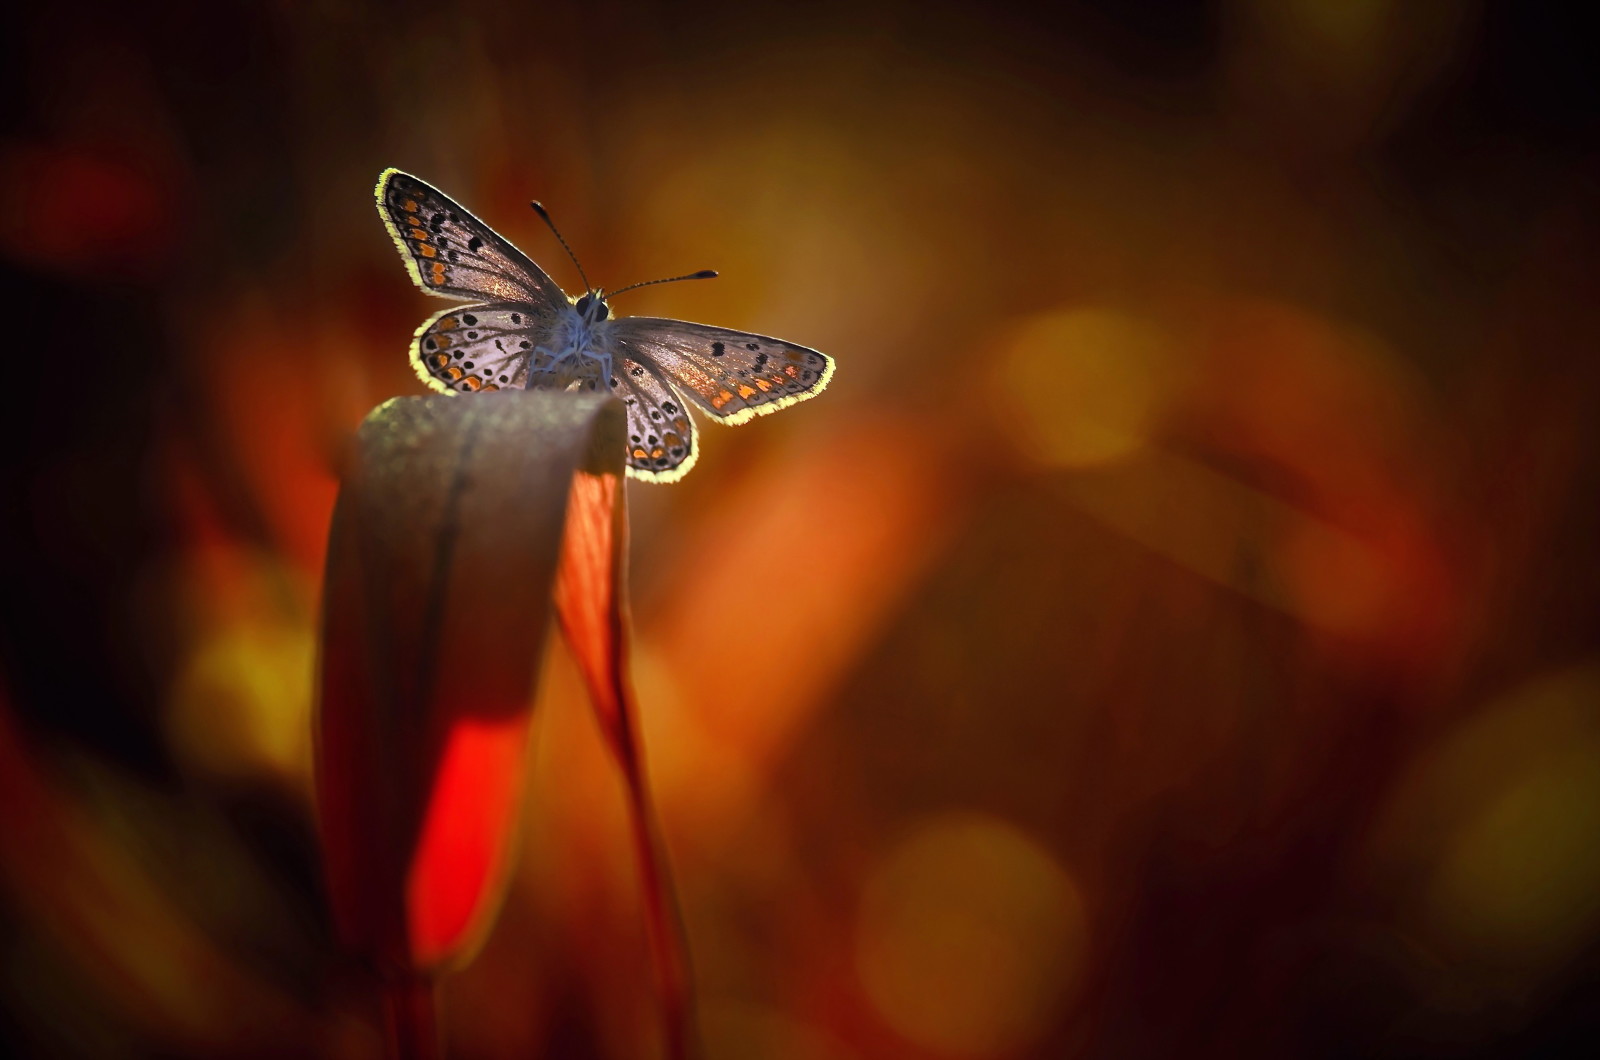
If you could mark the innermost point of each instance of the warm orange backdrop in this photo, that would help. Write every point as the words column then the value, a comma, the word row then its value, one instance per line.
column 1173, row 633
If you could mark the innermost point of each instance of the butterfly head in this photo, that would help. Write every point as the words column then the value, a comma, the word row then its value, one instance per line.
column 592, row 308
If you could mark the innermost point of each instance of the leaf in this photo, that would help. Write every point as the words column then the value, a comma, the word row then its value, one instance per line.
column 591, row 604
column 443, row 549
column 455, row 523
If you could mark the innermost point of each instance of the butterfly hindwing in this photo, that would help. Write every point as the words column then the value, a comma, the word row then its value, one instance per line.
column 661, row 442
column 451, row 253
column 733, row 375
column 481, row 347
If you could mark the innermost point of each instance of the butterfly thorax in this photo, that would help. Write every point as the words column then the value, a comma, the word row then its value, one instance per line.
column 579, row 357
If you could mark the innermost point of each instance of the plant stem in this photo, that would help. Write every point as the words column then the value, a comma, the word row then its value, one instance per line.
column 668, row 946
column 591, row 603
column 411, row 1018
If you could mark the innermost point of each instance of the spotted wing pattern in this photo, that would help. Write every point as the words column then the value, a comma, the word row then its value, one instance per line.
column 661, row 442
column 493, row 346
column 451, row 253
column 733, row 375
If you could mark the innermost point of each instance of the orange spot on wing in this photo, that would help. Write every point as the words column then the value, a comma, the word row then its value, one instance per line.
column 411, row 206
column 492, row 386
column 444, row 341
column 764, row 385
column 472, row 382
column 681, row 423
column 746, row 392
column 427, row 251
column 449, row 323
column 639, row 454
column 655, row 454
column 419, row 235
column 721, row 400
column 441, row 359
column 454, row 373
column 791, row 371
column 672, row 439
column 438, row 272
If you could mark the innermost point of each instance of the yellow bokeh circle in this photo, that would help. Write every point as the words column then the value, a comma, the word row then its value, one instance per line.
column 970, row 937
column 1084, row 387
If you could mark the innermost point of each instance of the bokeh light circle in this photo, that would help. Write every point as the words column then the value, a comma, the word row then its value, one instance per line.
column 970, row 936
column 1084, row 386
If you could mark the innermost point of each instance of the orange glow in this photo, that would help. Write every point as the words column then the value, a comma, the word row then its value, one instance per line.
column 1084, row 386
column 863, row 511
column 1180, row 606
column 970, row 936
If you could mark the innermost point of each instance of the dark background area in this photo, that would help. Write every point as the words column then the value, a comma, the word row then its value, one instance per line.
column 1174, row 633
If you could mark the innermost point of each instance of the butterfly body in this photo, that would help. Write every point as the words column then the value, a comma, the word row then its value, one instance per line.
column 531, row 334
column 578, row 348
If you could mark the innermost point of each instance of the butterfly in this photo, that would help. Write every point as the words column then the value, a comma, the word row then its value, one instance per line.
column 524, row 331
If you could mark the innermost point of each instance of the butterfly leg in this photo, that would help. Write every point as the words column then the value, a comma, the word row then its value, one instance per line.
column 542, row 362
column 569, row 369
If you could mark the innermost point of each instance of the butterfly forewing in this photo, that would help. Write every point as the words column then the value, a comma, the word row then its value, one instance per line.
column 482, row 347
column 449, row 252
column 733, row 375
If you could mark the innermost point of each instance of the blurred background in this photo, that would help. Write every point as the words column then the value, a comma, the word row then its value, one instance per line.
column 1174, row 632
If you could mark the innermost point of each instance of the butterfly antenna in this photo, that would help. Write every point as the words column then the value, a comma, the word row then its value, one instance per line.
column 544, row 215
column 703, row 274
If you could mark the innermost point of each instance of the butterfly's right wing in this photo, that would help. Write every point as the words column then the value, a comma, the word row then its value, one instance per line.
column 493, row 346
column 451, row 253
column 733, row 376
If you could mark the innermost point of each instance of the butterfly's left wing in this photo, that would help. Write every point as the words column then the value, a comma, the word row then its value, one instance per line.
column 733, row 375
